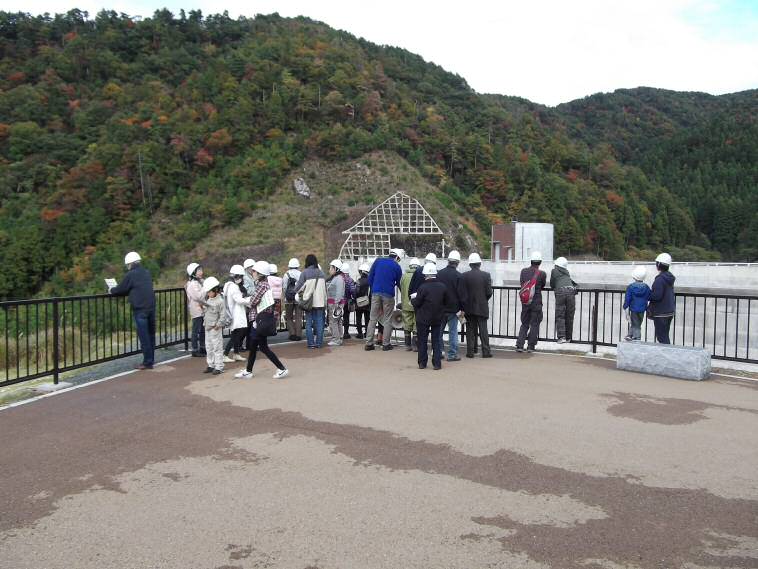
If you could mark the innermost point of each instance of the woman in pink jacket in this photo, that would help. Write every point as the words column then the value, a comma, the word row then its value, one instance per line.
column 275, row 282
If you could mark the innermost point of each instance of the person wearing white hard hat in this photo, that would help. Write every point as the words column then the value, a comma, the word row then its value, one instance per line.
column 196, row 303
column 310, row 292
column 478, row 285
column 293, row 314
column 662, row 299
column 564, row 289
column 456, row 294
column 533, row 280
column 383, row 279
column 407, row 309
column 362, row 300
column 335, row 299
column 349, row 299
column 418, row 277
column 263, row 324
column 138, row 285
column 247, row 279
column 430, row 302
column 214, row 321
column 635, row 301
column 235, row 295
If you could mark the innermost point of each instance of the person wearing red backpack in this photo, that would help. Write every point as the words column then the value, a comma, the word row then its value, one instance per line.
column 533, row 280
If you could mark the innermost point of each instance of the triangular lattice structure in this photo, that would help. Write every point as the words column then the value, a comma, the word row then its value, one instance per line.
column 399, row 214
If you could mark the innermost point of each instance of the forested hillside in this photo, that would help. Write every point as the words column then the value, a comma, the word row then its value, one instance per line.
column 120, row 134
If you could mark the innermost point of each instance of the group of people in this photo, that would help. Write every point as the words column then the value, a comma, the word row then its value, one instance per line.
column 251, row 302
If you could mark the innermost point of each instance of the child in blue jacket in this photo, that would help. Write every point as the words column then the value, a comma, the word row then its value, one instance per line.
column 636, row 299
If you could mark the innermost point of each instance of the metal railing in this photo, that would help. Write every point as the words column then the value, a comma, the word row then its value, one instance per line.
column 51, row 336
column 55, row 335
column 721, row 324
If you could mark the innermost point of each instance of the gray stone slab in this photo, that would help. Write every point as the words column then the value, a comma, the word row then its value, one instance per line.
column 681, row 362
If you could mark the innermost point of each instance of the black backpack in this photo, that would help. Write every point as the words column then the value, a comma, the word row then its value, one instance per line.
column 289, row 292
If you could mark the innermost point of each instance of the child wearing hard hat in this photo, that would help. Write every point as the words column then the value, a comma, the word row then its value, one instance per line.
column 335, row 299
column 635, row 301
column 293, row 314
column 214, row 318
column 196, row 303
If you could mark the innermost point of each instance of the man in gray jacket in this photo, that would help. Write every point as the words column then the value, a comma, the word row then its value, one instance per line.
column 478, row 285
column 564, row 289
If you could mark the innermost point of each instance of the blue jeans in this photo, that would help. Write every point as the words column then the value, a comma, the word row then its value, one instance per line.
column 452, row 336
column 314, row 319
column 145, row 322
column 198, row 335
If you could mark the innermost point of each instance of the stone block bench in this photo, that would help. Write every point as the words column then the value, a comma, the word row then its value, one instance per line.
column 682, row 362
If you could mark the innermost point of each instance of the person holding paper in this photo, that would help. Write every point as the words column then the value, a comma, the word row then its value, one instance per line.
column 138, row 286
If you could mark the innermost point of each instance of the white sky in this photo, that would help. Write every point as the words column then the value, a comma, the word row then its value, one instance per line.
column 545, row 51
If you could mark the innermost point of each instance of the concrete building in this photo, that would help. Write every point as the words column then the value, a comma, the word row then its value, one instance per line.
column 516, row 241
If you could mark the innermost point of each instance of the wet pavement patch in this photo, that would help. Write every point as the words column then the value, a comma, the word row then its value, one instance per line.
column 662, row 410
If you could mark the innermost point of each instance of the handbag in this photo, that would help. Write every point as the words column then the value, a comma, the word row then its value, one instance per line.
column 264, row 323
column 362, row 301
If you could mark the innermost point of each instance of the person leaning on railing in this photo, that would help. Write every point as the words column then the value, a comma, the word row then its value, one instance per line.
column 138, row 285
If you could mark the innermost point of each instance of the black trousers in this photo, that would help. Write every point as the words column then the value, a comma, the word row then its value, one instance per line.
column 565, row 306
column 255, row 343
column 361, row 321
column 662, row 326
column 235, row 341
column 531, row 316
column 423, row 340
column 477, row 326
column 346, row 321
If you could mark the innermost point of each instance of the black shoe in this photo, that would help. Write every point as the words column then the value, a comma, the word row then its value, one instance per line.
column 346, row 336
column 531, row 350
column 292, row 338
column 486, row 355
column 469, row 355
column 217, row 372
column 422, row 366
column 360, row 336
column 369, row 347
column 197, row 355
column 144, row 366
column 455, row 359
column 519, row 350
column 387, row 347
column 208, row 370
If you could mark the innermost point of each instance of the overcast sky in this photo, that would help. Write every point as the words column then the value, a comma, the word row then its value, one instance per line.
column 546, row 51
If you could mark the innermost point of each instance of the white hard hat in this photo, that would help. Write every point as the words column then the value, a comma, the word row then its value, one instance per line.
column 272, row 269
column 414, row 262
column 293, row 264
column 454, row 256
column 132, row 257
column 431, row 258
column 663, row 259
column 210, row 283
column 364, row 268
column 237, row 270
column 639, row 273
column 191, row 268
column 561, row 262
column 345, row 268
column 248, row 263
column 429, row 269
column 399, row 253
column 474, row 258
column 337, row 264
column 262, row 268
column 536, row 256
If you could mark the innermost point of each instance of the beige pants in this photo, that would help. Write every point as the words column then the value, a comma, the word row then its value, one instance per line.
column 214, row 347
column 335, row 324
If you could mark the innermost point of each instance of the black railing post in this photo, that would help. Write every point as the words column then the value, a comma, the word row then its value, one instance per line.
column 594, row 321
column 56, row 353
column 186, row 323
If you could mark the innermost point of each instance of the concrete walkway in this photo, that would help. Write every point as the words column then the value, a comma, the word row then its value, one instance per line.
column 360, row 460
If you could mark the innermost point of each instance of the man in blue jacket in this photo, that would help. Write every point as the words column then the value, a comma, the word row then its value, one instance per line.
column 662, row 300
column 383, row 278
column 139, row 286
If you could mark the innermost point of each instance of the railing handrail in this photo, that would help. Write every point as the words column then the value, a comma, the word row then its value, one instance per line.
column 72, row 298
column 621, row 288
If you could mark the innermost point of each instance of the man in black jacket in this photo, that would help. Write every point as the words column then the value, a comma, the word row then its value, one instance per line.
column 478, row 285
column 139, row 286
column 430, row 302
column 531, row 314
column 457, row 294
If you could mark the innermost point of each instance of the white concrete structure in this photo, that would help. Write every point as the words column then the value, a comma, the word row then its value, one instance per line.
column 516, row 241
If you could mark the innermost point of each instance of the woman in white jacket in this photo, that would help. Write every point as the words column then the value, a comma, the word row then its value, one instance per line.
column 236, row 301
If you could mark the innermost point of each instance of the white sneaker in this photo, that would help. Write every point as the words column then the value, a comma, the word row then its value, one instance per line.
column 244, row 374
column 281, row 373
column 228, row 360
column 239, row 358
column 335, row 343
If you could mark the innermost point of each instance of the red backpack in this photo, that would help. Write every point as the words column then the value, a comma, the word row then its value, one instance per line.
column 529, row 289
